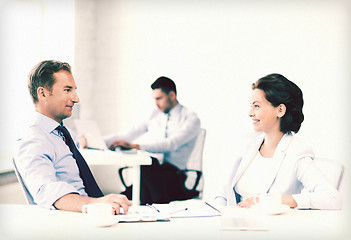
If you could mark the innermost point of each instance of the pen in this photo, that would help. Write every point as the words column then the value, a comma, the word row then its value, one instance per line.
column 153, row 207
column 213, row 207
column 180, row 210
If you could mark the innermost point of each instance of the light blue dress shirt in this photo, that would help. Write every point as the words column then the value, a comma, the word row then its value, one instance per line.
column 173, row 135
column 46, row 164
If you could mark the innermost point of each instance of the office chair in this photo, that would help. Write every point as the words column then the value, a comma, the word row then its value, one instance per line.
column 193, row 172
column 106, row 178
column 28, row 197
column 333, row 170
column 194, row 180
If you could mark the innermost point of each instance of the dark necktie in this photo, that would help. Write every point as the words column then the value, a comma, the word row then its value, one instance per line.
column 91, row 187
column 166, row 127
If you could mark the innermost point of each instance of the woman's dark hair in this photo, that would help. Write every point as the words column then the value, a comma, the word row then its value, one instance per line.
column 280, row 90
column 166, row 85
column 42, row 75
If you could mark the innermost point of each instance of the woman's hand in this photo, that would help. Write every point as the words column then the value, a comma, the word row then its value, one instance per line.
column 287, row 200
column 247, row 203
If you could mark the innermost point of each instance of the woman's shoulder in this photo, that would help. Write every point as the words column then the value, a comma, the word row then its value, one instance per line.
column 299, row 147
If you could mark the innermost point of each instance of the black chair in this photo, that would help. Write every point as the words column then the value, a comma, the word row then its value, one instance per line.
column 193, row 172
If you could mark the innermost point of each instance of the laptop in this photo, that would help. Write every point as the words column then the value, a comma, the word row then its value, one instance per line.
column 90, row 130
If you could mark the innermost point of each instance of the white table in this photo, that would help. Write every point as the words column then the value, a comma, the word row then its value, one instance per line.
column 33, row 222
column 121, row 159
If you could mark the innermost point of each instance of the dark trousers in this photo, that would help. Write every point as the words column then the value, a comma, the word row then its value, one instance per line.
column 161, row 183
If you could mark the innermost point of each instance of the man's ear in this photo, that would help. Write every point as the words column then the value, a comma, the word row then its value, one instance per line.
column 281, row 110
column 172, row 95
column 41, row 92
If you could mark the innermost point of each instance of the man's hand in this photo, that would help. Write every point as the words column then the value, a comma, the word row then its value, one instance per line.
column 117, row 200
column 123, row 144
column 82, row 141
column 74, row 202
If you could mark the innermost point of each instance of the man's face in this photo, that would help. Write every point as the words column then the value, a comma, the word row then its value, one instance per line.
column 58, row 104
column 162, row 100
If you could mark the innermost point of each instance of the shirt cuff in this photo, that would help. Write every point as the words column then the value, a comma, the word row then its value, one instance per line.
column 302, row 200
column 220, row 201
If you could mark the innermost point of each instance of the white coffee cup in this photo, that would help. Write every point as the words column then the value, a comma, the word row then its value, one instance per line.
column 99, row 214
column 268, row 201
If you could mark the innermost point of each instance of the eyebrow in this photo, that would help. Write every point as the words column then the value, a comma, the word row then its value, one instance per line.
column 70, row 87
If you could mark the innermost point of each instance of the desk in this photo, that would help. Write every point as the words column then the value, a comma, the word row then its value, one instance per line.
column 111, row 158
column 33, row 222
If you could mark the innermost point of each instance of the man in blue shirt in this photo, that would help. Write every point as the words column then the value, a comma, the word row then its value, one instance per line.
column 46, row 164
column 172, row 130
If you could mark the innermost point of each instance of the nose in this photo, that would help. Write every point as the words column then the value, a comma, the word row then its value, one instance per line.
column 157, row 104
column 251, row 112
column 75, row 97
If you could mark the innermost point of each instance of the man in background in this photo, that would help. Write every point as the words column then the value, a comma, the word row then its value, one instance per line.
column 174, row 130
column 52, row 169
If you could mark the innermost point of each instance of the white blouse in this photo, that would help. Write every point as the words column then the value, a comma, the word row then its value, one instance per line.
column 254, row 179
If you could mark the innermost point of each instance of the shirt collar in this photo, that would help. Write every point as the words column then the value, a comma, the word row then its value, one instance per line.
column 175, row 110
column 45, row 122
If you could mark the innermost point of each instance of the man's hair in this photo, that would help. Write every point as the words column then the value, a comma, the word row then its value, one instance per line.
column 279, row 90
column 42, row 75
column 165, row 84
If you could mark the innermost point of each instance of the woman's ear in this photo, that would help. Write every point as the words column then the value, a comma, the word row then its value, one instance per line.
column 281, row 110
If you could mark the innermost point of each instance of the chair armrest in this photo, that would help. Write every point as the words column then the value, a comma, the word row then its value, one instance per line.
column 198, row 177
column 120, row 173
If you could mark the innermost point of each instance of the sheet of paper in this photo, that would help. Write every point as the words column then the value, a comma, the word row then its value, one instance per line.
column 187, row 209
column 142, row 214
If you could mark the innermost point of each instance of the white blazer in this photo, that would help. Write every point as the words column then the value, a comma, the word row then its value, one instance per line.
column 294, row 170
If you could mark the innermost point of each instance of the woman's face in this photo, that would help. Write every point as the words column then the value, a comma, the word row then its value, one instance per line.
column 265, row 117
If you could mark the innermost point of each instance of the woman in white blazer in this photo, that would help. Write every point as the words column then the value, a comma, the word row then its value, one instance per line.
column 275, row 161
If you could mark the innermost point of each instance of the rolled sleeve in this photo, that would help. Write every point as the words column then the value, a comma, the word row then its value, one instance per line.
column 49, row 193
column 48, row 169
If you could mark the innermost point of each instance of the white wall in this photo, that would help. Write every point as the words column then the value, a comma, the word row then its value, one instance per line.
column 214, row 50
column 31, row 31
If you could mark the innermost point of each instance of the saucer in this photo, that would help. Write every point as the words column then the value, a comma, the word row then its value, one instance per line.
column 279, row 209
column 106, row 222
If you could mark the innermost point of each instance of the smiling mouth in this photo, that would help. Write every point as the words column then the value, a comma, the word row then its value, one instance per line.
column 255, row 121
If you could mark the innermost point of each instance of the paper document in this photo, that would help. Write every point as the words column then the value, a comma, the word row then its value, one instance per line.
column 187, row 209
column 142, row 214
